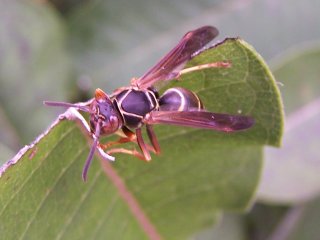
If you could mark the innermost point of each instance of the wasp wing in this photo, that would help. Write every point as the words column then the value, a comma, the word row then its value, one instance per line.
column 201, row 119
column 172, row 63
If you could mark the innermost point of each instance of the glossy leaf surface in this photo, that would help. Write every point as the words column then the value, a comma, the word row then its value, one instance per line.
column 199, row 173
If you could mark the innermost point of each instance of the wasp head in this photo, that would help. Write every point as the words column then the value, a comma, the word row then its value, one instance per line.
column 104, row 113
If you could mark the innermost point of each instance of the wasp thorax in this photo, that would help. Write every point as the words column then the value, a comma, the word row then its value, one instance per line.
column 103, row 112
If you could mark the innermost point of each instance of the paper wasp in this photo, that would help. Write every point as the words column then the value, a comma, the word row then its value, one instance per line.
column 130, row 108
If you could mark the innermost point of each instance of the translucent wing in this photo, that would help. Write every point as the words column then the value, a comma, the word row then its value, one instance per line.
column 201, row 119
column 171, row 64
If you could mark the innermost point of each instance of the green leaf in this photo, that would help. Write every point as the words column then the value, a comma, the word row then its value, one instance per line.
column 291, row 173
column 198, row 174
column 247, row 88
column 45, row 189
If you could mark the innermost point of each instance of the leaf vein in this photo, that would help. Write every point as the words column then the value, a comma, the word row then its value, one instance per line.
column 65, row 134
column 83, row 198
column 64, row 170
column 105, row 217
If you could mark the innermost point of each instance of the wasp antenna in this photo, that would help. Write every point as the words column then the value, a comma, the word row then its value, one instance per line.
column 66, row 105
column 91, row 153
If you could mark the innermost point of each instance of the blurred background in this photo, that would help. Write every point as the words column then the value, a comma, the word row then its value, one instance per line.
column 64, row 49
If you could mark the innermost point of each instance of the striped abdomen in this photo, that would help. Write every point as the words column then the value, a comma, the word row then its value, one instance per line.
column 179, row 99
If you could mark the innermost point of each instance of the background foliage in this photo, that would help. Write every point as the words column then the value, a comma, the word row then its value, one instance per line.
column 124, row 38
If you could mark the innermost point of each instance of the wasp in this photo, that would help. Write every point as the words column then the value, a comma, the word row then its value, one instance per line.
column 130, row 108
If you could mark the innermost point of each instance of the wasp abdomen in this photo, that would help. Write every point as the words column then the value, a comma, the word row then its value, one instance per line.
column 179, row 99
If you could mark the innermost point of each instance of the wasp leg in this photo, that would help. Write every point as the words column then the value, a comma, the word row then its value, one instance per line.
column 226, row 64
column 130, row 137
column 135, row 138
column 142, row 145
column 145, row 155
column 153, row 139
column 127, row 151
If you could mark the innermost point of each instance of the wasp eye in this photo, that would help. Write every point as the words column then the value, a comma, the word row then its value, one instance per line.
column 114, row 121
